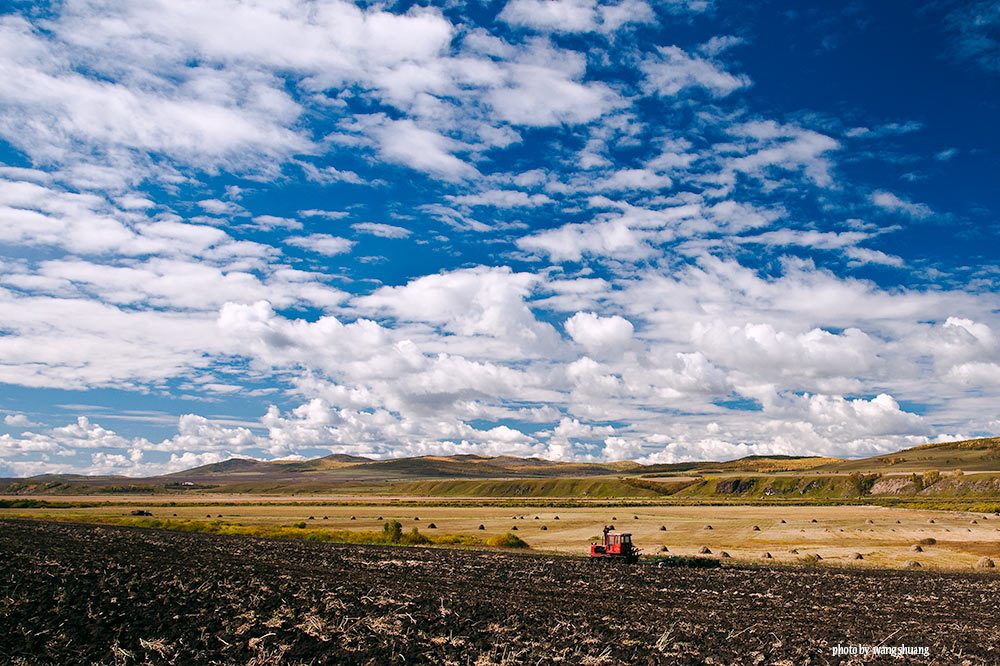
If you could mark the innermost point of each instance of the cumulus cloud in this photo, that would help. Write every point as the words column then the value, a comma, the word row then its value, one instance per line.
column 578, row 242
column 595, row 332
column 324, row 244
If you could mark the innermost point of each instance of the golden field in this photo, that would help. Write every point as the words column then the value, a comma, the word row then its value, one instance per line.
column 883, row 536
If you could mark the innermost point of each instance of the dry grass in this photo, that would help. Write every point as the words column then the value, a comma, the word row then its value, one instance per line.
column 837, row 534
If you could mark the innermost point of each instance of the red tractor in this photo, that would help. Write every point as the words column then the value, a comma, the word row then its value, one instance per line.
column 617, row 547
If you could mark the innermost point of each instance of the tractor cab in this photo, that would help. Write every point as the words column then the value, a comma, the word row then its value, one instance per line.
column 617, row 546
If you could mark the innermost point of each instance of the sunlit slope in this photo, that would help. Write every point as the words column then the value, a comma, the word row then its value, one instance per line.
column 974, row 455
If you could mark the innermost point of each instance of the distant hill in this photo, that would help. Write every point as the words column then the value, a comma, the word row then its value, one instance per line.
column 340, row 473
column 972, row 455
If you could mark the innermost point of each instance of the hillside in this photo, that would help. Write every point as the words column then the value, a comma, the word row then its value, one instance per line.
column 509, row 476
column 973, row 455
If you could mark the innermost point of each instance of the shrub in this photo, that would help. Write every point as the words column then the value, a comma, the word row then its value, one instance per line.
column 862, row 483
column 393, row 531
column 507, row 540
column 301, row 525
column 414, row 538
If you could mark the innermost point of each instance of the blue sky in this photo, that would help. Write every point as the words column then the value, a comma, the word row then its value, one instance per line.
column 573, row 229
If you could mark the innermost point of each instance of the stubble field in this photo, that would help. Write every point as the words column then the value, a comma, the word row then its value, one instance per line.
column 884, row 537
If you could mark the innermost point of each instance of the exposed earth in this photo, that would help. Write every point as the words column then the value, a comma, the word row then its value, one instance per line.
column 82, row 594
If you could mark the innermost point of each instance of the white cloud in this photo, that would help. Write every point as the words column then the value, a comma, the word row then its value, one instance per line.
column 599, row 333
column 542, row 89
column 18, row 421
column 895, row 204
column 575, row 15
column 571, row 242
column 403, row 142
column 326, row 214
column 381, row 230
column 324, row 244
column 501, row 199
column 673, row 70
column 785, row 147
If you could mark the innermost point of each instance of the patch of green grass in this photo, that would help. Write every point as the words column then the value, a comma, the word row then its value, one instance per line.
column 391, row 532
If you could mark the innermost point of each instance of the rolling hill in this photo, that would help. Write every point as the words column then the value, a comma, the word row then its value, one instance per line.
column 509, row 476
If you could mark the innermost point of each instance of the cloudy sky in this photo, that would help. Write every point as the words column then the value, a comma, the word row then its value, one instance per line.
column 657, row 230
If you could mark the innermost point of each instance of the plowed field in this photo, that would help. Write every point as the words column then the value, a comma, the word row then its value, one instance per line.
column 80, row 594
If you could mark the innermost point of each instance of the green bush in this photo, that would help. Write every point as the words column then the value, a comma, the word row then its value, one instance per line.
column 414, row 538
column 507, row 540
column 392, row 531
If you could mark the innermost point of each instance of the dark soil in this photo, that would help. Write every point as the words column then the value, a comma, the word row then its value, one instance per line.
column 82, row 594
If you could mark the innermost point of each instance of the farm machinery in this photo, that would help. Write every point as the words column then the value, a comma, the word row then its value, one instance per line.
column 617, row 547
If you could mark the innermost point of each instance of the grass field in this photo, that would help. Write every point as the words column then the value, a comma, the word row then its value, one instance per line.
column 834, row 533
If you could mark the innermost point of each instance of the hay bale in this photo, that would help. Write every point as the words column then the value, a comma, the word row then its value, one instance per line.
column 898, row 523
column 513, row 529
column 930, row 522
column 536, row 517
column 380, row 517
column 869, row 522
column 857, row 556
column 482, row 527
column 664, row 549
column 310, row 517
column 755, row 529
column 985, row 563
column 974, row 522
column 544, row 528
column 352, row 518
column 207, row 515
column 929, row 541
column 704, row 550
column 813, row 521
column 724, row 555
column 432, row 526
column 614, row 517
column 611, row 527
column 816, row 556
column 663, row 528
column 794, row 551
column 326, row 517
column 707, row 527
column 916, row 548
column 912, row 564
column 556, row 518
column 783, row 521
column 635, row 517
column 765, row 556
column 219, row 516
column 416, row 518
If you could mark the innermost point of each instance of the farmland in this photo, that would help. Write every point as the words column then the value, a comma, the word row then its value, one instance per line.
column 884, row 537
column 75, row 594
